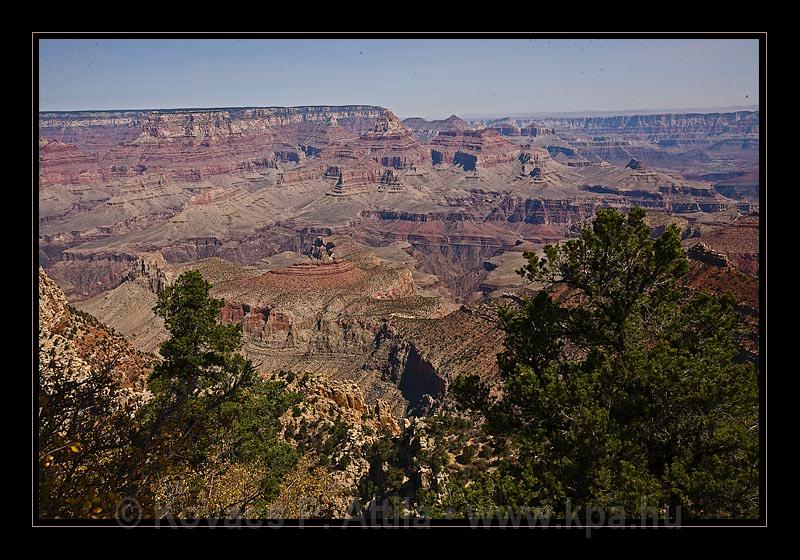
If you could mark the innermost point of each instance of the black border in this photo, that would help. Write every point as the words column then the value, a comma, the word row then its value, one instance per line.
column 36, row 521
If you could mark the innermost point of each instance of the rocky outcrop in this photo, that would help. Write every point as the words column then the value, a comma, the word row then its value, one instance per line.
column 321, row 250
column 335, row 426
column 705, row 254
column 738, row 241
column 471, row 149
column 151, row 271
column 636, row 165
column 426, row 356
column 391, row 144
column 75, row 347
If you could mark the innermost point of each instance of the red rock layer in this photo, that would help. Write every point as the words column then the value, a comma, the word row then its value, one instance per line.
column 61, row 163
column 191, row 145
column 392, row 145
column 472, row 148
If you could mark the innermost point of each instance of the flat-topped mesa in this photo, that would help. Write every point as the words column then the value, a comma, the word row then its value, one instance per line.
column 316, row 268
column 472, row 149
column 315, row 275
column 393, row 145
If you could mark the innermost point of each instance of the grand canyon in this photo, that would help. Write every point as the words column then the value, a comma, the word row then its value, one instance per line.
column 373, row 266
column 368, row 252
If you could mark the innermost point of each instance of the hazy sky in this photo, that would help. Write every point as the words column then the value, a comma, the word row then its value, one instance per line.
column 429, row 78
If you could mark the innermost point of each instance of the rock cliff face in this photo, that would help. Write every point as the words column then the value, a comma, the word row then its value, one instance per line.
column 91, row 132
column 247, row 185
column 391, row 144
column 191, row 145
column 344, row 313
column 74, row 346
column 426, row 356
column 718, row 147
column 738, row 242
column 664, row 126
column 705, row 254
column 66, row 164
column 84, row 274
column 471, row 149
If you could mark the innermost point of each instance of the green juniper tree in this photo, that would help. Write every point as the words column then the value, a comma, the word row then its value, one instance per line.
column 209, row 409
column 620, row 390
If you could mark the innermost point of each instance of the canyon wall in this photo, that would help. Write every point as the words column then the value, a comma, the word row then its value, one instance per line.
column 663, row 126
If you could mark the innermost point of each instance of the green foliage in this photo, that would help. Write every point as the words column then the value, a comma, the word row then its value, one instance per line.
column 620, row 391
column 384, row 483
column 470, row 392
column 200, row 357
column 614, row 273
column 468, row 455
column 206, row 443
column 252, row 438
column 208, row 398
column 82, row 434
